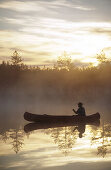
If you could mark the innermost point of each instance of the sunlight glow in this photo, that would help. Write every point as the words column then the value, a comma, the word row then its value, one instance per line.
column 42, row 39
column 78, row 39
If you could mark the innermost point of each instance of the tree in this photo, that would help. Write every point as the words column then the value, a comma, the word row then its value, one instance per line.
column 16, row 60
column 102, row 58
column 65, row 62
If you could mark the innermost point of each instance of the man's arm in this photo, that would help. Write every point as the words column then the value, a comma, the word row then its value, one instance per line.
column 74, row 111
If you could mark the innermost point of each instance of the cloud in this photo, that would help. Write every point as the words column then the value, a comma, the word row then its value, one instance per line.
column 69, row 4
column 20, row 6
column 23, row 6
column 33, row 50
column 84, row 8
column 42, row 30
column 75, row 53
column 107, row 49
column 103, row 30
column 19, row 21
column 41, row 41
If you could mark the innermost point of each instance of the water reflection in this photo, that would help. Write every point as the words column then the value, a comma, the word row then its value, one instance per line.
column 16, row 138
column 45, row 125
column 65, row 137
column 81, row 129
column 102, row 138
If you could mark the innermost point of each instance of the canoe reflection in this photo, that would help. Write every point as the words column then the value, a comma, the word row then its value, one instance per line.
column 79, row 126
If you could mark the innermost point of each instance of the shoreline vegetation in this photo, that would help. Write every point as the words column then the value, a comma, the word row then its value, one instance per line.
column 64, row 82
column 63, row 74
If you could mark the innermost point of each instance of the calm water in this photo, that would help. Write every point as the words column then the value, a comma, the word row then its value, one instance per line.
column 53, row 148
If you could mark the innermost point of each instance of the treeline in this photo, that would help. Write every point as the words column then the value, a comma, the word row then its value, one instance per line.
column 63, row 80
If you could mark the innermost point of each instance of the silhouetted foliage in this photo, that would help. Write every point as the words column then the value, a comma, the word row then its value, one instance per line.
column 103, row 60
column 16, row 59
column 52, row 83
column 65, row 62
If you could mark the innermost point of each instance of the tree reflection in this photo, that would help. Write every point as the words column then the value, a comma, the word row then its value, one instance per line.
column 102, row 138
column 64, row 137
column 16, row 137
column 102, row 150
column 4, row 136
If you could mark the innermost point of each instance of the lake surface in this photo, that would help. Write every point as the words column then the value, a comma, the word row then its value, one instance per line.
column 52, row 148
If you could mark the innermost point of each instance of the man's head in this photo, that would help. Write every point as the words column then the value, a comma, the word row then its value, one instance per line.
column 80, row 104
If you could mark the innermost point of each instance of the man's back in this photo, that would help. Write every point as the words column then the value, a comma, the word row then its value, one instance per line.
column 81, row 111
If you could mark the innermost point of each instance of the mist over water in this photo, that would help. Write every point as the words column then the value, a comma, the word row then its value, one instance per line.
column 14, row 102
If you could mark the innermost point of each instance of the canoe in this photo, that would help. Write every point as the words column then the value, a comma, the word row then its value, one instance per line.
column 45, row 125
column 61, row 118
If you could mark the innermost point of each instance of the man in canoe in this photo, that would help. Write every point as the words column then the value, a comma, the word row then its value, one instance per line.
column 81, row 126
column 81, row 110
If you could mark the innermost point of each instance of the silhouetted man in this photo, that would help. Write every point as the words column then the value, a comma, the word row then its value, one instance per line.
column 81, row 126
column 81, row 110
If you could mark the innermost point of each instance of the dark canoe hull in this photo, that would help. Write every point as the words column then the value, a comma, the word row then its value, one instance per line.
column 61, row 119
column 45, row 125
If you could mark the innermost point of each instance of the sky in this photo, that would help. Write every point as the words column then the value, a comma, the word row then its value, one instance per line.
column 42, row 30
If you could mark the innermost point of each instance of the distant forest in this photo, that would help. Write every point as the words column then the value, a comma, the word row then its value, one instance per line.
column 64, row 80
